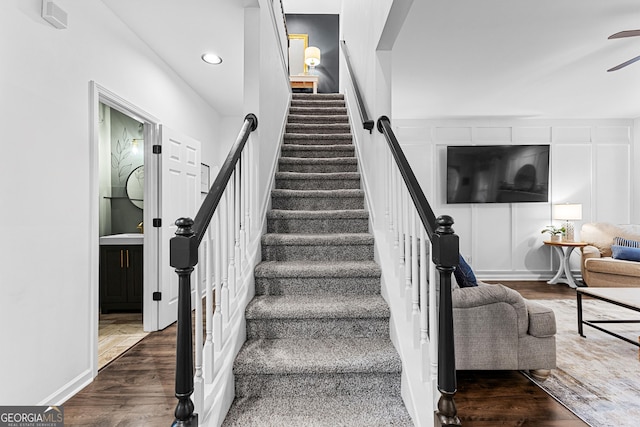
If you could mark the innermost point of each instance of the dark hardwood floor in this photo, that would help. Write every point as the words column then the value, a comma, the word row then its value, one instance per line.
column 137, row 389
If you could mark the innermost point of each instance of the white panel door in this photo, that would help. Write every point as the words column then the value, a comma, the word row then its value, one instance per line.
column 179, row 197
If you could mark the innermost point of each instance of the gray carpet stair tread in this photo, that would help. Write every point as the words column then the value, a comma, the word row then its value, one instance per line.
column 317, row 239
column 316, row 306
column 317, row 269
column 317, row 96
column 327, row 136
column 317, row 118
column 331, row 194
column 320, row 147
column 317, row 356
column 318, row 175
column 332, row 214
column 322, row 111
column 319, row 411
column 320, row 160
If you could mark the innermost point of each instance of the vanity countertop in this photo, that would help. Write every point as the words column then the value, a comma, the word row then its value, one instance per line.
column 123, row 239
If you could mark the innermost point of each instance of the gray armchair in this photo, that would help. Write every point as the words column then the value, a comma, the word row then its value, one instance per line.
column 495, row 328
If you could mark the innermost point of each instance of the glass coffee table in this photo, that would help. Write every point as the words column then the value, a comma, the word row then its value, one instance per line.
column 622, row 297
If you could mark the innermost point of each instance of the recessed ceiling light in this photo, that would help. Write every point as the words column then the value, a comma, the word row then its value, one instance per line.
column 211, row 58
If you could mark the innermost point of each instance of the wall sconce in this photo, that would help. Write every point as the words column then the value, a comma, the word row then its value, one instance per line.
column 312, row 57
column 134, row 145
column 568, row 212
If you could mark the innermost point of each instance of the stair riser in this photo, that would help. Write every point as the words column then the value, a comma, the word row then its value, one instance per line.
column 386, row 384
column 348, row 225
column 317, row 328
column 317, row 285
column 327, row 139
column 317, row 168
column 317, row 119
column 315, row 129
column 317, row 203
column 318, row 154
column 318, row 184
column 317, row 253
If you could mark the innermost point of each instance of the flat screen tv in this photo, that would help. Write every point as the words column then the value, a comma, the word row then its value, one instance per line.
column 497, row 173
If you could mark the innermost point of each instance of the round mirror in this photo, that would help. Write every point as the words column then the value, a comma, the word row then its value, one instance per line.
column 135, row 186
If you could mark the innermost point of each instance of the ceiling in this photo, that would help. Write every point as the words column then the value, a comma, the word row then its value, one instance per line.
column 181, row 31
column 508, row 58
column 455, row 58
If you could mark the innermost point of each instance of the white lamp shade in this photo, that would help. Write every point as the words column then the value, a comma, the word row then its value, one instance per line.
column 568, row 211
column 312, row 56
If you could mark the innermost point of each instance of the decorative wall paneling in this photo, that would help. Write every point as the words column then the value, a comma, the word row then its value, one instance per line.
column 592, row 162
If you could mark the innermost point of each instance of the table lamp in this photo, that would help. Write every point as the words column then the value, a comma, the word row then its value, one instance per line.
column 312, row 57
column 568, row 212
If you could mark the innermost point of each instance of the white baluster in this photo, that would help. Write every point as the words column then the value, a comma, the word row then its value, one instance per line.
column 251, row 197
column 238, row 224
column 224, row 237
column 231, row 231
column 415, row 278
column 217, row 314
column 198, row 382
column 406, row 222
column 209, row 283
column 243, row 208
column 396, row 207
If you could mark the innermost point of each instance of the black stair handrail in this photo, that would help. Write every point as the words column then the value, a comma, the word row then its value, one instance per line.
column 184, row 257
column 367, row 123
column 445, row 256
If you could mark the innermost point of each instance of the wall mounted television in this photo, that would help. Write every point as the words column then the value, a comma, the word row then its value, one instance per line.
column 498, row 173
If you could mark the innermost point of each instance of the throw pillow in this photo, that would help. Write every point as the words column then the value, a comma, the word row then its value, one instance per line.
column 464, row 275
column 621, row 241
column 625, row 252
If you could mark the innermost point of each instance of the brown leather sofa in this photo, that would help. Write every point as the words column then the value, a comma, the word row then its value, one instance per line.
column 599, row 268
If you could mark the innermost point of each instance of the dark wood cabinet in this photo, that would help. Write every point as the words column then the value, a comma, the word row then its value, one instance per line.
column 120, row 278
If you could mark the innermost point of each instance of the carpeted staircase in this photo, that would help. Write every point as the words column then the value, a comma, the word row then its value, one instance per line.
column 318, row 351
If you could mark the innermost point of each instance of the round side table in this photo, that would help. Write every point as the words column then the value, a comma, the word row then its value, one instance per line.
column 564, row 249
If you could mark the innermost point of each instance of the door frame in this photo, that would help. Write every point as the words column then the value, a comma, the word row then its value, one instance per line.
column 99, row 94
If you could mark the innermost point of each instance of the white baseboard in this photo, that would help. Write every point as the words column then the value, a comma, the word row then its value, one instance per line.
column 70, row 389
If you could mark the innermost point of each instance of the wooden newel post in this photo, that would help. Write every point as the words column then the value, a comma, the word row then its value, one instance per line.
column 184, row 256
column 445, row 257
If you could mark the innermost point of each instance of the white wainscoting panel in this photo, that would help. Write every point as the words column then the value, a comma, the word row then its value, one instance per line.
column 612, row 134
column 532, row 134
column 492, row 135
column 569, row 134
column 453, row 134
column 529, row 253
column 613, row 186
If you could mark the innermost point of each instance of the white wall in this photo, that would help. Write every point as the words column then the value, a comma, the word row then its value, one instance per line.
column 362, row 23
column 270, row 99
column 330, row 7
column 44, row 185
column 591, row 164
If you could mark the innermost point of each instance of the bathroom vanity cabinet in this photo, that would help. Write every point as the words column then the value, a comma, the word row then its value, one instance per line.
column 120, row 278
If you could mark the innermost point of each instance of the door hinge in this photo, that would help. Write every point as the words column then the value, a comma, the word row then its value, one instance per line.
column 157, row 149
column 157, row 222
column 157, row 296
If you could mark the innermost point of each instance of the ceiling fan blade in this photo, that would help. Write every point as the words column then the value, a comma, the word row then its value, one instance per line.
column 624, row 64
column 622, row 34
